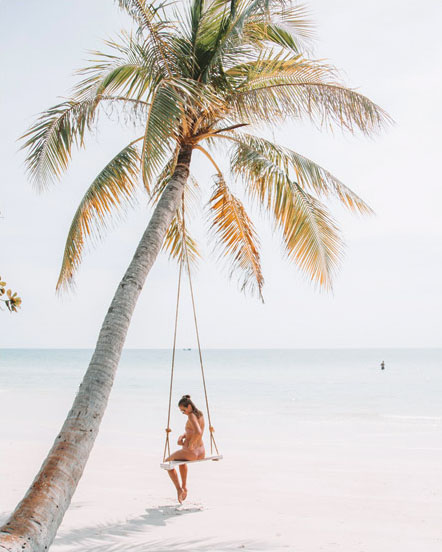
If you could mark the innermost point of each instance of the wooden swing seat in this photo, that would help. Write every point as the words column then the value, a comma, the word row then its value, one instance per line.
column 171, row 465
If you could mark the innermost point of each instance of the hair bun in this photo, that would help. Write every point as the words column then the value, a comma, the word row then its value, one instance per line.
column 186, row 396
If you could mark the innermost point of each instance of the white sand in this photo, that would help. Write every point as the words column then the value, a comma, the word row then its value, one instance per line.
column 338, row 485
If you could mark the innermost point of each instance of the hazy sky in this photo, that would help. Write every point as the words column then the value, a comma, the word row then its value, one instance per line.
column 388, row 291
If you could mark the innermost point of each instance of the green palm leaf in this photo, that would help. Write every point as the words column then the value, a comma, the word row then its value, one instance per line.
column 50, row 140
column 128, row 69
column 288, row 28
column 161, row 131
column 144, row 13
column 146, row 16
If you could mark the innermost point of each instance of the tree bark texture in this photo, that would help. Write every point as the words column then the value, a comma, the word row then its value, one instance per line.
column 35, row 521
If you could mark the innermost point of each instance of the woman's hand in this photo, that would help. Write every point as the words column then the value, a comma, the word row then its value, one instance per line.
column 181, row 440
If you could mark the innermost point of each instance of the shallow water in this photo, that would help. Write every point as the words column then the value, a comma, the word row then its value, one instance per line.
column 250, row 391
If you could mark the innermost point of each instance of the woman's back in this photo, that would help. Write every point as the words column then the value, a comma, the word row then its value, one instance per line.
column 190, row 431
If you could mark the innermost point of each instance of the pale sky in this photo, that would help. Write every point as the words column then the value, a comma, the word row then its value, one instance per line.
column 388, row 291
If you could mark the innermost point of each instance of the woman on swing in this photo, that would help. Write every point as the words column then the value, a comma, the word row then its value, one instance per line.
column 191, row 442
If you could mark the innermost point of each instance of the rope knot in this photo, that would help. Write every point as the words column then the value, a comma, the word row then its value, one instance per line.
column 168, row 430
column 211, row 429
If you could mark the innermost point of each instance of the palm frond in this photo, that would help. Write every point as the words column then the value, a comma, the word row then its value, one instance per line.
column 129, row 69
column 145, row 14
column 235, row 236
column 173, row 242
column 233, row 31
column 163, row 177
column 220, row 27
column 310, row 235
column 111, row 192
column 161, row 131
column 50, row 140
column 288, row 28
column 259, row 156
column 195, row 15
column 173, row 103
column 179, row 227
column 276, row 89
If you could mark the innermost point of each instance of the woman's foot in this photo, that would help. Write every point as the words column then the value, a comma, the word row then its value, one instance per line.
column 184, row 494
column 180, row 493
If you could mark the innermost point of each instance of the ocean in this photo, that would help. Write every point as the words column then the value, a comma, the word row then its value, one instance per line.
column 277, row 393
column 322, row 449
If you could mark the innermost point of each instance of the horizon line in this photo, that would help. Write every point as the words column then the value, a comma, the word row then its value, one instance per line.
column 223, row 348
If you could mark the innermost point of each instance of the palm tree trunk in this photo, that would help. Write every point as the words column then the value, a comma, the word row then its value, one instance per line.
column 34, row 523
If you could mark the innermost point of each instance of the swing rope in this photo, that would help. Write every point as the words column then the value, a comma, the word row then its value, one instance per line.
column 185, row 260
column 168, row 430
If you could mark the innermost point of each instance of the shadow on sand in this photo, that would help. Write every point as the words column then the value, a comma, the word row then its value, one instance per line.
column 153, row 516
column 123, row 536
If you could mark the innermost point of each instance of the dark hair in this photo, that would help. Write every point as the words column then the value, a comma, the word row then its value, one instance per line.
column 185, row 401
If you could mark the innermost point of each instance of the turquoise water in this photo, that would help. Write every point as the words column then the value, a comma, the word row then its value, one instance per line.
column 250, row 391
column 312, row 382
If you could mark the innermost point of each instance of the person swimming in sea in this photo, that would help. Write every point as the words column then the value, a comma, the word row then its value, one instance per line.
column 191, row 442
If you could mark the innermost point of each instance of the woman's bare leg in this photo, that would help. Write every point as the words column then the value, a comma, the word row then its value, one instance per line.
column 183, row 473
column 180, row 455
column 173, row 475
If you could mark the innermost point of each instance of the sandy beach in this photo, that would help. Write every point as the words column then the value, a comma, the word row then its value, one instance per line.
column 342, row 483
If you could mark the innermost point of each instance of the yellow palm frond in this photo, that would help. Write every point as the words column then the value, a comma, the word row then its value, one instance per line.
column 259, row 157
column 236, row 236
column 310, row 235
column 163, row 177
column 112, row 191
column 173, row 241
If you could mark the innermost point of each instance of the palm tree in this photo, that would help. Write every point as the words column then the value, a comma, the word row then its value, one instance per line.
column 202, row 75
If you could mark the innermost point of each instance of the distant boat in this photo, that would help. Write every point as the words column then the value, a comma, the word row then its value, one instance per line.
column 188, row 349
